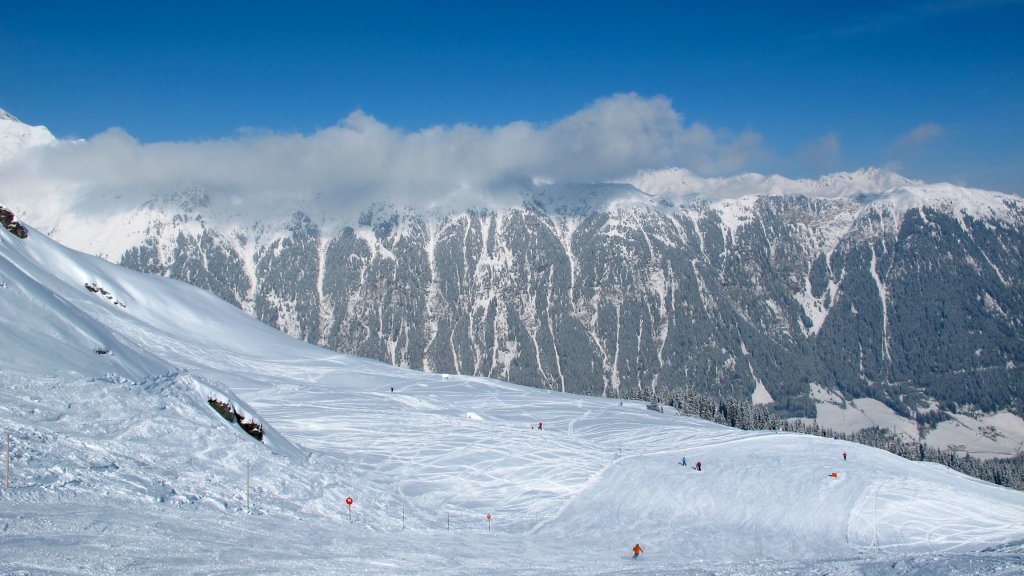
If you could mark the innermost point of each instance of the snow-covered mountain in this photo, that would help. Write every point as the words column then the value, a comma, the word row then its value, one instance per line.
column 120, row 463
column 680, row 183
column 865, row 286
column 16, row 136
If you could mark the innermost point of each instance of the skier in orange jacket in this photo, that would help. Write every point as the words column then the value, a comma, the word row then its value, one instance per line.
column 637, row 550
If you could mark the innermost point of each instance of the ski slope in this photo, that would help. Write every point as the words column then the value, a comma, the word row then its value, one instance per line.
column 119, row 465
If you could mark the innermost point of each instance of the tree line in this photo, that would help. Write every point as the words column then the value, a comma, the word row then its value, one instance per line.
column 745, row 415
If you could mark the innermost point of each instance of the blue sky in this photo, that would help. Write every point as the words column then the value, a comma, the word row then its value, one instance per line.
column 932, row 89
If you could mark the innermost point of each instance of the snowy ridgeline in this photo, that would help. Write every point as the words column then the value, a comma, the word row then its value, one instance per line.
column 120, row 464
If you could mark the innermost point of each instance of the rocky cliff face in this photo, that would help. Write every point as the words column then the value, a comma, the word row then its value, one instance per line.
column 11, row 224
column 911, row 297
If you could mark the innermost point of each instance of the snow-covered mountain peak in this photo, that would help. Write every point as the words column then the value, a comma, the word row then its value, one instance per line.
column 847, row 184
column 681, row 184
column 16, row 136
column 871, row 188
column 948, row 198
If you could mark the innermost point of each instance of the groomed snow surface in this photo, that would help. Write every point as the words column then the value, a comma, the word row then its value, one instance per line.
column 120, row 466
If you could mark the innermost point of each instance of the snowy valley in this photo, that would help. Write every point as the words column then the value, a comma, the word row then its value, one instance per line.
column 120, row 464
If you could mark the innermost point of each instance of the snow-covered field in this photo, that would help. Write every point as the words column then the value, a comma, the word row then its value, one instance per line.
column 999, row 435
column 120, row 466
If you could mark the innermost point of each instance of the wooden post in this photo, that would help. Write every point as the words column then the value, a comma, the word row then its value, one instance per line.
column 7, row 465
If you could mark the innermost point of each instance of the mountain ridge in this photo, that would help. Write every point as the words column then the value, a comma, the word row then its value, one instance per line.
column 16, row 136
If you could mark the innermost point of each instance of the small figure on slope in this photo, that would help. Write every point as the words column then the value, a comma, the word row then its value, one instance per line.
column 683, row 461
column 637, row 550
column 697, row 466
column 844, row 456
column 540, row 425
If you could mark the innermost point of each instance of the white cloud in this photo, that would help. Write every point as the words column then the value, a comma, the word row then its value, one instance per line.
column 820, row 155
column 921, row 135
column 910, row 149
column 361, row 159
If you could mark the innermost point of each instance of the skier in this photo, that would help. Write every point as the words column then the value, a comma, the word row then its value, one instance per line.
column 540, row 425
column 844, row 456
column 637, row 550
column 683, row 461
column 698, row 466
